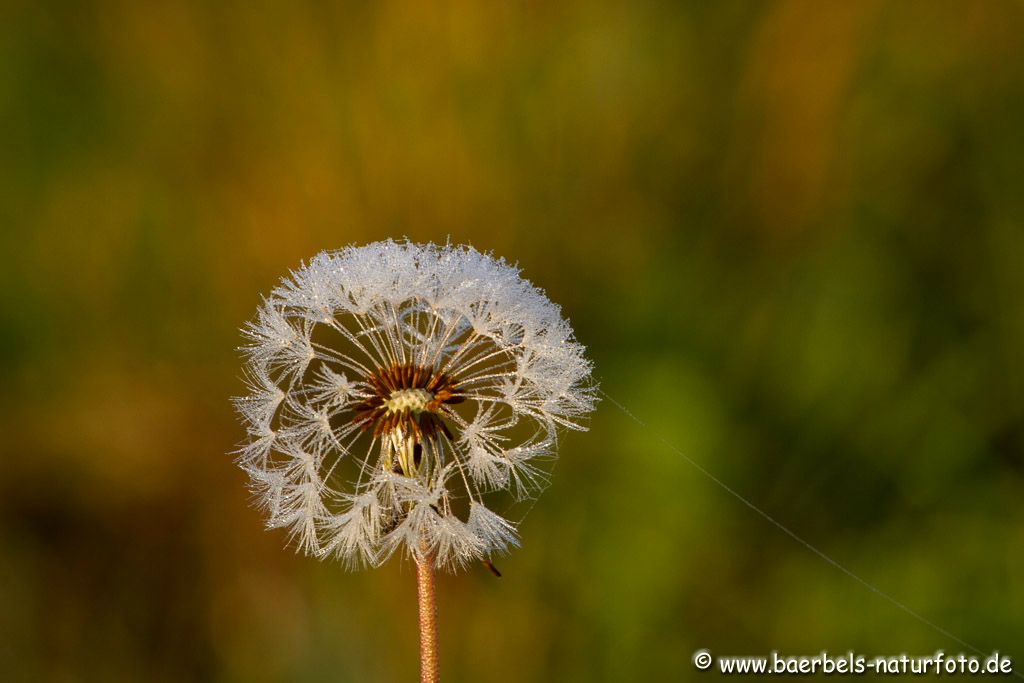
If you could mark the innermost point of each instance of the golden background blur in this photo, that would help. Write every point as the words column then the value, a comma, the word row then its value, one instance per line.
column 790, row 233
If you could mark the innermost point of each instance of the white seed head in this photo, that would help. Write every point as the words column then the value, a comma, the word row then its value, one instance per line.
column 392, row 388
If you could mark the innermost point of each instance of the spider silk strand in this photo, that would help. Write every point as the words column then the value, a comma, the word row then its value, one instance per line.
column 806, row 544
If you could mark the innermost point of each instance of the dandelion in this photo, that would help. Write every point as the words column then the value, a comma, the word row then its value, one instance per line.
column 396, row 389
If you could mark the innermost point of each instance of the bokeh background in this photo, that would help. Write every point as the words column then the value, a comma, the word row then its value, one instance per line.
column 790, row 233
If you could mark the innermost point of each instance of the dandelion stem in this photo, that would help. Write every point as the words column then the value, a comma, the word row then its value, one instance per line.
column 426, row 593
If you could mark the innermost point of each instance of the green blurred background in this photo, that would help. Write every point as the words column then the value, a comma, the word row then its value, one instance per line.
column 790, row 233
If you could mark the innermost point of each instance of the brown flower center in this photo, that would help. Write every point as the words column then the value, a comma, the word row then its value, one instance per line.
column 407, row 399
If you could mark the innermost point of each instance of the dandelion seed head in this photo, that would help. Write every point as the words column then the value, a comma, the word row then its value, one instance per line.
column 393, row 388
